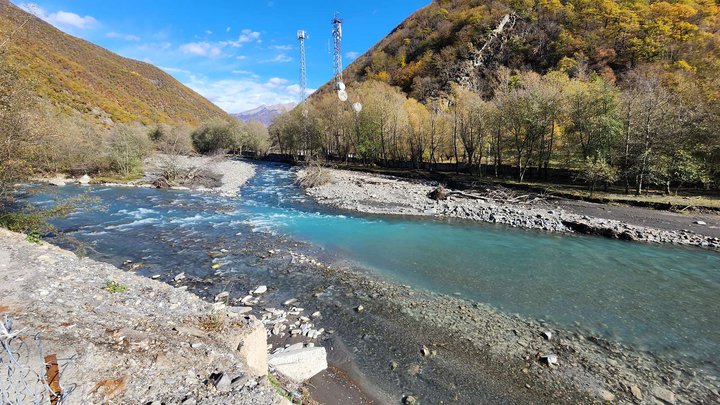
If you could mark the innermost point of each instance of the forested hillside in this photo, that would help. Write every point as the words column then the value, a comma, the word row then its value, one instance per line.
column 74, row 74
column 618, row 91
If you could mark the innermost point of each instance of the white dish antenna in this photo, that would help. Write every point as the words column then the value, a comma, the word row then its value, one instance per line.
column 342, row 95
column 340, row 86
column 357, row 107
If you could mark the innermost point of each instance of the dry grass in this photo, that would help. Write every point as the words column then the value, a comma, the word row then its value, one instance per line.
column 315, row 176
column 212, row 323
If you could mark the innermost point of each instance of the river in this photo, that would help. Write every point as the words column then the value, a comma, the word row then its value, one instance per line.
column 662, row 299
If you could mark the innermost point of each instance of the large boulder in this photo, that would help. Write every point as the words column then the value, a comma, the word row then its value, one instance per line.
column 301, row 364
column 251, row 342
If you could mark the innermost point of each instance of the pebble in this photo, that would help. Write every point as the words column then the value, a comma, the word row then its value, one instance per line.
column 550, row 359
column 180, row 277
column 547, row 335
column 425, row 351
column 393, row 365
column 359, row 308
column 606, row 395
column 635, row 390
column 664, row 394
column 260, row 290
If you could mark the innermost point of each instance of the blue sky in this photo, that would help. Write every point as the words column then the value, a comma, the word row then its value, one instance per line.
column 239, row 54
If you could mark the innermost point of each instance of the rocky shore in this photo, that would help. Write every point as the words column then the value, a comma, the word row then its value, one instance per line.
column 376, row 194
column 122, row 338
column 216, row 174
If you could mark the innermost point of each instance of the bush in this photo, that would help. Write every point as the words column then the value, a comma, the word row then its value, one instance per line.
column 217, row 136
column 315, row 176
column 128, row 146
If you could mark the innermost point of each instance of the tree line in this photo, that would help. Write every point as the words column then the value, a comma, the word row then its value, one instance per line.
column 650, row 128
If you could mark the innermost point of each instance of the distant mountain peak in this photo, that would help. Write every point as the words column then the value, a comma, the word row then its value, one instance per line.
column 265, row 114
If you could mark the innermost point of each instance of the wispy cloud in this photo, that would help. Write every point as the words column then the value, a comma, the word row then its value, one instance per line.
column 126, row 37
column 241, row 95
column 175, row 70
column 282, row 47
column 246, row 36
column 201, row 49
column 352, row 55
column 279, row 58
column 62, row 19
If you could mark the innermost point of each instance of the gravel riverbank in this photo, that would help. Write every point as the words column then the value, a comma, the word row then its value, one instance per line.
column 376, row 194
column 121, row 338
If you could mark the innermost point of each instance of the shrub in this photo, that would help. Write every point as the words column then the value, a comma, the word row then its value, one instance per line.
column 128, row 145
column 217, row 136
column 315, row 176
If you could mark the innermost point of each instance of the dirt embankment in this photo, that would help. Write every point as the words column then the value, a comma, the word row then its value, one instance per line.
column 389, row 195
column 123, row 338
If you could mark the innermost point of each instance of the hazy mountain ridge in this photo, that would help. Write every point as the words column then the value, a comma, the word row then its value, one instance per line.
column 265, row 114
column 78, row 75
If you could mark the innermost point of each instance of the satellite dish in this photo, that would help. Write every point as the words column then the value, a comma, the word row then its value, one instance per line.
column 342, row 95
column 305, row 113
column 340, row 86
column 357, row 107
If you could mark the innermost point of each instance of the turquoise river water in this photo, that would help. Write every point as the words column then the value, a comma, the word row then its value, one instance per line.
column 663, row 299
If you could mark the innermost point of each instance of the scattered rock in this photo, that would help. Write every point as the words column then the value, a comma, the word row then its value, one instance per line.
column 393, row 365
column 700, row 223
column 549, row 359
column 606, row 395
column 547, row 335
column 359, row 308
column 299, row 365
column 251, row 342
column 635, row 390
column 260, row 290
column 425, row 351
column 180, row 277
column 84, row 180
column 221, row 381
column 410, row 400
column 664, row 395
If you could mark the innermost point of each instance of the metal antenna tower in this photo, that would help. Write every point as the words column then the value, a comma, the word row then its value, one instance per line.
column 302, row 36
column 337, row 57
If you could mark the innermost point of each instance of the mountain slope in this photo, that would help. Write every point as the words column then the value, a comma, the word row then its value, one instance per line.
column 265, row 114
column 460, row 41
column 73, row 73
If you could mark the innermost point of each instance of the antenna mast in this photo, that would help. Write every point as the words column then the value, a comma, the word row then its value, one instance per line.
column 302, row 36
column 337, row 57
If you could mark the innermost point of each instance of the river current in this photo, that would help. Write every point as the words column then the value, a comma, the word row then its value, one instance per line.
column 663, row 299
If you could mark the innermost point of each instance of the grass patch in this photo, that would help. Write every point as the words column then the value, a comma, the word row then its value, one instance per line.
column 114, row 287
column 118, row 178
column 212, row 323
column 279, row 387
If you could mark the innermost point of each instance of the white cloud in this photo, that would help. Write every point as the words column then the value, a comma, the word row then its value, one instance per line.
column 242, row 72
column 62, row 19
column 208, row 32
column 201, row 49
column 126, row 37
column 279, row 58
column 352, row 55
column 282, row 47
column 228, row 29
column 238, row 95
column 174, row 70
column 246, row 36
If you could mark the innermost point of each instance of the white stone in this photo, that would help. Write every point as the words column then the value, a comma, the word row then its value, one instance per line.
column 260, row 290
column 85, row 179
column 299, row 365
